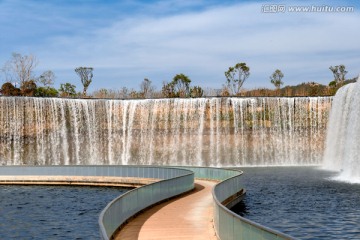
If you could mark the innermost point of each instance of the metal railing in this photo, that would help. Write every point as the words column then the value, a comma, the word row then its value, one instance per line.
column 229, row 225
column 92, row 170
column 173, row 181
column 212, row 173
column 176, row 180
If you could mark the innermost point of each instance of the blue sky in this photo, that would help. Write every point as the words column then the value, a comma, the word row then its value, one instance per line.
column 127, row 41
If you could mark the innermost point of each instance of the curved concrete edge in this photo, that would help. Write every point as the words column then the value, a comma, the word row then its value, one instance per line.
column 188, row 216
column 160, row 188
column 237, row 227
column 234, row 199
column 127, row 182
column 227, row 192
column 126, row 206
column 165, row 182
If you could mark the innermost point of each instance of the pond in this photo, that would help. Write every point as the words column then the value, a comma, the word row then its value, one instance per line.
column 303, row 202
column 53, row 212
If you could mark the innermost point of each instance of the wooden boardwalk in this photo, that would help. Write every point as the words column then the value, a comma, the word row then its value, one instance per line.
column 187, row 217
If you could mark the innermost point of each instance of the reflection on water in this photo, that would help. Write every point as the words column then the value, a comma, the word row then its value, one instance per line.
column 52, row 212
column 302, row 202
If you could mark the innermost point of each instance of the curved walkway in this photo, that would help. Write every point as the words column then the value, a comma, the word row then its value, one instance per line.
column 187, row 217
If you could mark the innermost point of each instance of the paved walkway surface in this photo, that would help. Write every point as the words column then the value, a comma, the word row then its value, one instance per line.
column 187, row 217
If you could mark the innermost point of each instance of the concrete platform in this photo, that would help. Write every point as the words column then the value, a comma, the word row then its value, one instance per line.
column 77, row 180
column 187, row 217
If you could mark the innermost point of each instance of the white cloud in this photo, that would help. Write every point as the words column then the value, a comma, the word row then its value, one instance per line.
column 203, row 44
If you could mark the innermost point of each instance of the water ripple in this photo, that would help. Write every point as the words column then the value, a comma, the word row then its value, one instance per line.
column 48, row 212
column 302, row 202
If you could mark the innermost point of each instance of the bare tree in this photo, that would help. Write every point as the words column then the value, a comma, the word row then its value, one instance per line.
column 86, row 75
column 47, row 78
column 8, row 73
column 124, row 92
column 20, row 68
column 146, row 88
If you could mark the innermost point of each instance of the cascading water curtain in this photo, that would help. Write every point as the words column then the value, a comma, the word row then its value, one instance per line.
column 342, row 142
column 203, row 131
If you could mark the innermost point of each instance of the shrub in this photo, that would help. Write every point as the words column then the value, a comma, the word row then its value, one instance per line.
column 46, row 92
column 7, row 89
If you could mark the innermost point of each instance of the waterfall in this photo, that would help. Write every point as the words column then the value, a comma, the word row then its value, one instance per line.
column 200, row 131
column 342, row 152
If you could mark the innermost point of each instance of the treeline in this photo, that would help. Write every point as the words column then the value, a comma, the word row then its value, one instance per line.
column 179, row 87
column 311, row 89
column 21, row 81
column 235, row 78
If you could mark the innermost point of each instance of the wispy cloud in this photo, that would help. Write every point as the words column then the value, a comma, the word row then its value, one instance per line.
column 161, row 39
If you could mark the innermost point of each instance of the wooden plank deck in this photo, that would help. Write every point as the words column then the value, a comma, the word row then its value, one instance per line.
column 187, row 217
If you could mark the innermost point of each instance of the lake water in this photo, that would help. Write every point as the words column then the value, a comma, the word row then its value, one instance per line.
column 52, row 212
column 301, row 201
